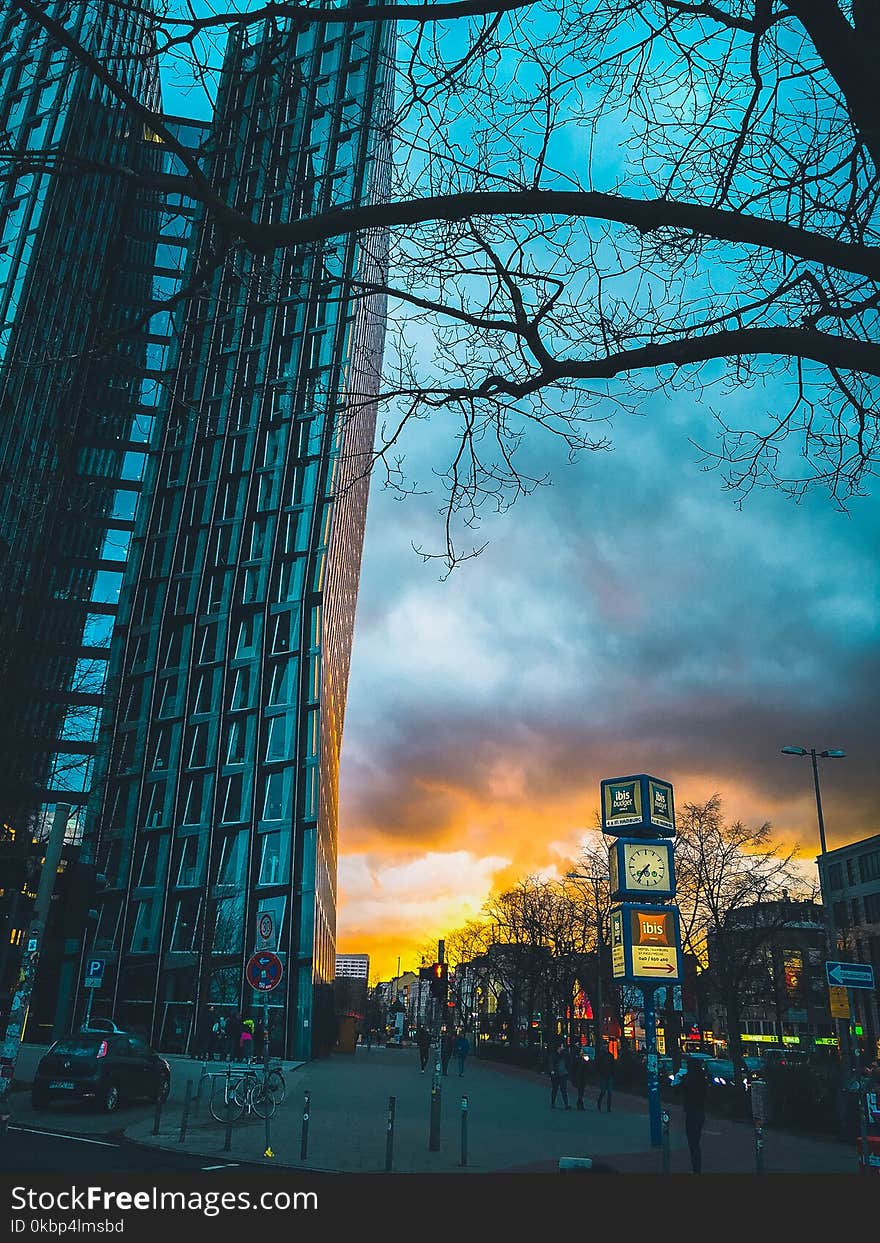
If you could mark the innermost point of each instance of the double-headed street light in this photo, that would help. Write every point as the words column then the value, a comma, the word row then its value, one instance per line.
column 824, row 755
column 830, row 929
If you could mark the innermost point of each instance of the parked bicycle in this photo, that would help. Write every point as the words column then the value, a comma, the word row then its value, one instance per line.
column 243, row 1090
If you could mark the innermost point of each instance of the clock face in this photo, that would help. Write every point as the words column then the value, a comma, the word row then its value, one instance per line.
column 646, row 868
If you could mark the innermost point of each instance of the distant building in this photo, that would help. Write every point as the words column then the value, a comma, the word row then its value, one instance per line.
column 785, row 1001
column 851, row 884
column 353, row 966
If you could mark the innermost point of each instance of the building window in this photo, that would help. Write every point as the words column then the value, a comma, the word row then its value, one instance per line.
column 870, row 866
column 186, row 916
column 872, row 908
column 274, row 858
column 231, row 799
column 835, row 876
column 188, row 871
column 852, row 871
column 229, row 925
column 276, row 743
column 276, row 793
column 232, row 869
column 155, row 814
column 145, row 934
column 192, row 803
column 148, row 872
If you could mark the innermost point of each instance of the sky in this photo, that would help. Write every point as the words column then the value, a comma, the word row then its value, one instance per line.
column 629, row 617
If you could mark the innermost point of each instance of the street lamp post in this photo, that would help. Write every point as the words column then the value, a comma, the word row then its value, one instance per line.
column 830, row 927
column 600, row 945
column 830, row 930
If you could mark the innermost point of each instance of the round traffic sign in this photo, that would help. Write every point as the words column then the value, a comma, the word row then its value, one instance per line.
column 265, row 926
column 264, row 971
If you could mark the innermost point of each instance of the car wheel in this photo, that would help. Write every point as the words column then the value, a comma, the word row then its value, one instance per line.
column 163, row 1090
column 110, row 1098
column 39, row 1099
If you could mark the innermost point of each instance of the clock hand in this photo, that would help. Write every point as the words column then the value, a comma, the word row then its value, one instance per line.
column 643, row 871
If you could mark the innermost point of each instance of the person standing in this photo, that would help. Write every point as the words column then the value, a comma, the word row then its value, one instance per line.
column 578, row 1074
column 446, row 1043
column 461, row 1048
column 423, row 1040
column 559, row 1075
column 204, row 1035
column 246, row 1040
column 605, row 1071
column 694, row 1086
column 218, row 1037
column 233, row 1036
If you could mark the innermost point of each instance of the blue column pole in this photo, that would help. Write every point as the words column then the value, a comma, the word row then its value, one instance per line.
column 654, row 1110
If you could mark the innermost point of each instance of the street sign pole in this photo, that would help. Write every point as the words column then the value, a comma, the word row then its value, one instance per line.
column 654, row 1111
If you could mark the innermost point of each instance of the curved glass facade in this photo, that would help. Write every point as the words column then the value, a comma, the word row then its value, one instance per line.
column 218, row 772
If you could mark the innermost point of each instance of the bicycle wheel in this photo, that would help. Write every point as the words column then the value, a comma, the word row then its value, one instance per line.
column 275, row 1085
column 226, row 1109
column 262, row 1102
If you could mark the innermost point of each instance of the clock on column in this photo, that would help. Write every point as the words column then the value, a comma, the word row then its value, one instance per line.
column 642, row 869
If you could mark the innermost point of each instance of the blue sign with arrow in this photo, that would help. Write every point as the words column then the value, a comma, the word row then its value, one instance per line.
column 850, row 974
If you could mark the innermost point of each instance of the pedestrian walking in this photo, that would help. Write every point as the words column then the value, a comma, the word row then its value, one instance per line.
column 205, row 1035
column 461, row 1048
column 577, row 1073
column 694, row 1086
column 558, row 1068
column 423, row 1040
column 446, row 1043
column 233, row 1036
column 218, row 1036
column 605, row 1071
column 246, row 1040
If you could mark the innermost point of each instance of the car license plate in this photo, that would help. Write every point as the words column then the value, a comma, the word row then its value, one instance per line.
column 60, row 1083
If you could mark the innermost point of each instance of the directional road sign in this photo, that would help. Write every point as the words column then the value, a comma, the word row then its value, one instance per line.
column 94, row 973
column 850, row 974
column 264, row 971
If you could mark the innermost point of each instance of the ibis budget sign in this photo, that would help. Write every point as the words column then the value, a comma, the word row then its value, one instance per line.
column 645, row 944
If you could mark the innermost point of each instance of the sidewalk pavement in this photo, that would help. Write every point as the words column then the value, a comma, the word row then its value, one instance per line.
column 510, row 1126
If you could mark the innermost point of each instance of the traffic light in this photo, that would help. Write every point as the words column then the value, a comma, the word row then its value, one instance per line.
column 439, row 980
column 81, row 886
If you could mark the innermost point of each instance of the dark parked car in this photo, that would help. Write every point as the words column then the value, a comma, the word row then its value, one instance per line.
column 106, row 1067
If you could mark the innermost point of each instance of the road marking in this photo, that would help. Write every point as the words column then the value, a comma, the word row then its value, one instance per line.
column 227, row 1165
column 77, row 1139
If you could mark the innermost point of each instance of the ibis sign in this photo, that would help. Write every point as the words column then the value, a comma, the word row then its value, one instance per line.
column 645, row 944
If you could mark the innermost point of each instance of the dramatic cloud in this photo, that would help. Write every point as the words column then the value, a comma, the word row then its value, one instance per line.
column 630, row 618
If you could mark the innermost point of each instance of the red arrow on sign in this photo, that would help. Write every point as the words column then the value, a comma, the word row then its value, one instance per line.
column 667, row 966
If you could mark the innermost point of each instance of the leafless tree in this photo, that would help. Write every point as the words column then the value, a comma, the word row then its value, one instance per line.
column 598, row 205
column 731, row 880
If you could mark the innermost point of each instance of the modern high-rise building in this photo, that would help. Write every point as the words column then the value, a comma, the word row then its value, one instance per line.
column 78, row 249
column 217, row 795
column 353, row 967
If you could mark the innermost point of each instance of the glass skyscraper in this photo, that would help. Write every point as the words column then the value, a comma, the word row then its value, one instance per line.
column 216, row 799
column 83, row 255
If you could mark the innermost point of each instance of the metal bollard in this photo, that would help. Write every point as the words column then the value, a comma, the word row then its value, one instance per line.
column 157, row 1118
column 197, row 1103
column 758, row 1094
column 268, row 1103
column 185, row 1116
column 227, row 1139
column 464, row 1122
column 434, row 1127
column 389, row 1137
column 664, row 1139
column 304, row 1141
